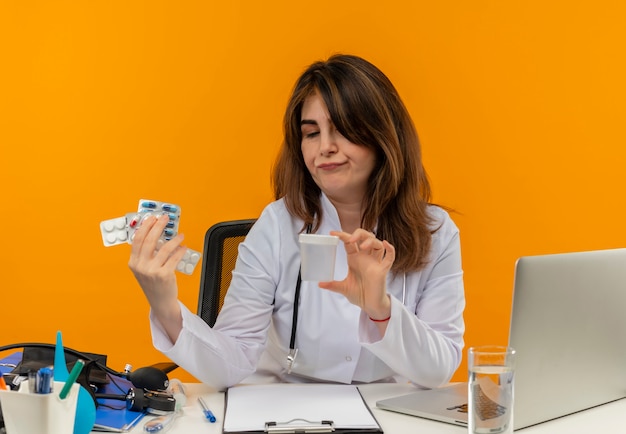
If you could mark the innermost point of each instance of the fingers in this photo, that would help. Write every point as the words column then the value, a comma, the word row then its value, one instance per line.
column 334, row 286
column 171, row 253
column 148, row 250
column 364, row 242
column 369, row 262
column 146, row 236
column 390, row 255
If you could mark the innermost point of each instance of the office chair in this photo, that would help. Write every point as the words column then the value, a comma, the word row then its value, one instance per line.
column 221, row 243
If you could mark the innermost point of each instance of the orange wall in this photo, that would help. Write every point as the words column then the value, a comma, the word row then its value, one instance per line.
column 520, row 108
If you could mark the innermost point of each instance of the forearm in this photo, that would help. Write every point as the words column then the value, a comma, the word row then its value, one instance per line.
column 413, row 349
column 169, row 317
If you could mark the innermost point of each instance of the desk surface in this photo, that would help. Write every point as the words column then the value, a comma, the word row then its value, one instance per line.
column 606, row 418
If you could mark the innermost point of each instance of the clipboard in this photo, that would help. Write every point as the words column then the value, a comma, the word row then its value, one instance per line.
column 297, row 408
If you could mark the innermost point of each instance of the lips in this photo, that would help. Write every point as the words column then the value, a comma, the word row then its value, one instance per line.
column 329, row 166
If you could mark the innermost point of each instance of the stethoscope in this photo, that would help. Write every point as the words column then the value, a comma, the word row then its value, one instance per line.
column 293, row 351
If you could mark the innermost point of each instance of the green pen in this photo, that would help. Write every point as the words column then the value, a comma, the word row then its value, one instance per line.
column 78, row 366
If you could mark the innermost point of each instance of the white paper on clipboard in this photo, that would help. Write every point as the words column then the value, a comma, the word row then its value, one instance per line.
column 251, row 407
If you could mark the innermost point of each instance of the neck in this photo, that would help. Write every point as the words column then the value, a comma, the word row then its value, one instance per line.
column 349, row 214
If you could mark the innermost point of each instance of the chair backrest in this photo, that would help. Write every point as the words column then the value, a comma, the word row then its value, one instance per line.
column 221, row 243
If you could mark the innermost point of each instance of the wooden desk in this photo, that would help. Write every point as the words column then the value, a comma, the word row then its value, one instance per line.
column 606, row 418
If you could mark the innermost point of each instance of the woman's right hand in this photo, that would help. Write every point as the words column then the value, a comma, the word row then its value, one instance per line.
column 155, row 270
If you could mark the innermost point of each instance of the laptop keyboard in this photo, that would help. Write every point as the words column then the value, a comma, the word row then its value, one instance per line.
column 486, row 408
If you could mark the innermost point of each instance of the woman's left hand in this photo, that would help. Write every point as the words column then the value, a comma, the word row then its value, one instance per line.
column 369, row 261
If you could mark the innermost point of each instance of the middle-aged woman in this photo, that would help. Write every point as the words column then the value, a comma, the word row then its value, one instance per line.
column 350, row 165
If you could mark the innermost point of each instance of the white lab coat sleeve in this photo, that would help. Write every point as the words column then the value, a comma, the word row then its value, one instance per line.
column 229, row 352
column 213, row 358
column 426, row 346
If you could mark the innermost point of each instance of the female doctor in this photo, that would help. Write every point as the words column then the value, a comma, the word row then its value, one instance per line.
column 350, row 165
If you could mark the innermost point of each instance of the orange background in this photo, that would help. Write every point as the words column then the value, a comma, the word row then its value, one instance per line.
column 519, row 106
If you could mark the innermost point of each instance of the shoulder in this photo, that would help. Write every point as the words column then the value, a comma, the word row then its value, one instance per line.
column 275, row 222
column 274, row 213
column 440, row 218
column 442, row 225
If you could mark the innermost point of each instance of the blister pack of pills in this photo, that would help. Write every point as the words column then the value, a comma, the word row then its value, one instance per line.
column 121, row 230
column 159, row 209
column 114, row 231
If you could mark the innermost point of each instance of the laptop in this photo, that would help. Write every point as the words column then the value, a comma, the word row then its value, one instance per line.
column 568, row 327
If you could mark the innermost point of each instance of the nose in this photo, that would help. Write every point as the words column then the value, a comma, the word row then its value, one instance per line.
column 328, row 143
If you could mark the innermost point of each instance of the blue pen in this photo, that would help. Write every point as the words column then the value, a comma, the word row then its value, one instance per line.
column 44, row 380
column 207, row 413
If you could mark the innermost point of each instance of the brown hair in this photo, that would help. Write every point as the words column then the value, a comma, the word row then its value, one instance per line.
column 366, row 109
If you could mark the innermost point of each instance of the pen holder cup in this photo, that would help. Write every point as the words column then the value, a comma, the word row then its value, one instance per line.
column 28, row 413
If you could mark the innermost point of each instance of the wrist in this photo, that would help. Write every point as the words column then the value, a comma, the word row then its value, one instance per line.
column 382, row 313
column 380, row 320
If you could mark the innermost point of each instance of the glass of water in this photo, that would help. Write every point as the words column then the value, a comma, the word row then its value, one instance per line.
column 490, row 389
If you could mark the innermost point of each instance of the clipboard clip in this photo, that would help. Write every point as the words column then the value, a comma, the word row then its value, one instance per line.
column 291, row 358
column 298, row 426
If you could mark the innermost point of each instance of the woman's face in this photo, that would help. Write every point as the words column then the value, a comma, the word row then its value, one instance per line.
column 339, row 167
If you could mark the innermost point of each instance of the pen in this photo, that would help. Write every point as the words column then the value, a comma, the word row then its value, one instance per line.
column 207, row 413
column 44, row 380
column 32, row 381
column 78, row 366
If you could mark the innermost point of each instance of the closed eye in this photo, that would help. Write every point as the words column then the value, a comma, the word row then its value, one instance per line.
column 309, row 128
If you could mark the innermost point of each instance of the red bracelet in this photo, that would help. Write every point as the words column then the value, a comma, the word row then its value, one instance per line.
column 380, row 320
